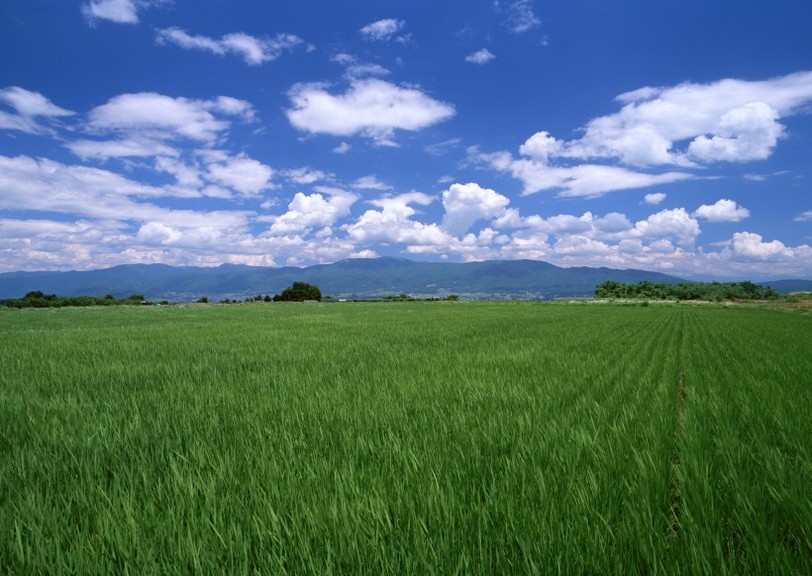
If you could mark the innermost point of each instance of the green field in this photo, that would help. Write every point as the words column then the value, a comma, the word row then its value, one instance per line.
column 406, row 438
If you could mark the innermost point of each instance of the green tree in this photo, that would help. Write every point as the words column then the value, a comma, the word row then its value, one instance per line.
column 299, row 292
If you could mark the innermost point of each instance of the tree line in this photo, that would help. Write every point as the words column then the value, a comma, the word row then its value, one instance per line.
column 37, row 299
column 712, row 291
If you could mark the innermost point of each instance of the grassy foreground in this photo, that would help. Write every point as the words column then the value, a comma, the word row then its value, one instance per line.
column 409, row 438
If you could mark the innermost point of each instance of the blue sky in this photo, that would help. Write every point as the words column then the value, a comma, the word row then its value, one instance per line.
column 671, row 136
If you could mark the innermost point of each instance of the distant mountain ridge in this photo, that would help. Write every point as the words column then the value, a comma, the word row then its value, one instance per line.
column 352, row 278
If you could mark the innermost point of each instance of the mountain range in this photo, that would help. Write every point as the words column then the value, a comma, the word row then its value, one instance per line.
column 352, row 278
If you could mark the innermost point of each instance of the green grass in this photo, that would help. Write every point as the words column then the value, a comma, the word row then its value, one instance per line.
column 409, row 438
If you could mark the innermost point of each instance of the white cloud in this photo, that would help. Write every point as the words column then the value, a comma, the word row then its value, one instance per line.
column 28, row 107
column 480, row 57
column 162, row 117
column 467, row 203
column 124, row 148
column 728, row 120
column 118, row 11
column 306, row 212
column 587, row 180
column 752, row 246
column 521, row 17
column 342, row 148
column 654, row 198
column 370, row 183
column 306, row 175
column 356, row 69
column 254, row 51
column 103, row 197
column 382, row 29
column 157, row 233
column 674, row 224
column 392, row 224
column 722, row 211
column 805, row 217
column 245, row 175
column 371, row 107
column 747, row 133
column 724, row 121
column 187, row 176
column 442, row 148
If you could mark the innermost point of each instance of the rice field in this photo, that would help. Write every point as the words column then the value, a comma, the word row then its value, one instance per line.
column 406, row 438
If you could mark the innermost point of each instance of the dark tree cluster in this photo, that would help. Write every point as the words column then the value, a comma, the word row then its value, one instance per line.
column 37, row 299
column 299, row 292
column 713, row 291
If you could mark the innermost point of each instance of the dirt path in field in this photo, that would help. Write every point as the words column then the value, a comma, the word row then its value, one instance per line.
column 674, row 498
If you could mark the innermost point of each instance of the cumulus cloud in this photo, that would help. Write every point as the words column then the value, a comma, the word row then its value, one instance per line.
column 161, row 117
column 316, row 210
column 393, row 223
column 156, row 233
column 727, row 120
column 241, row 173
column 480, row 57
column 382, row 29
column 465, row 204
column 752, row 246
column 28, row 107
column 254, row 51
column 722, row 211
column 676, row 225
column 685, row 126
column 372, row 108
column 747, row 133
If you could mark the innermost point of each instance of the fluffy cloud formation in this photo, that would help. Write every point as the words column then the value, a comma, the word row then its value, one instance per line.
column 393, row 223
column 480, row 57
column 752, row 246
column 382, row 29
column 725, row 121
column 109, row 219
column 28, row 107
column 317, row 210
column 162, row 117
column 722, row 211
column 467, row 203
column 371, row 107
column 728, row 120
column 246, row 175
column 747, row 133
column 254, row 51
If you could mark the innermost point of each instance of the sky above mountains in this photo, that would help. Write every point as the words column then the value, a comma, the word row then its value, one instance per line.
column 669, row 136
